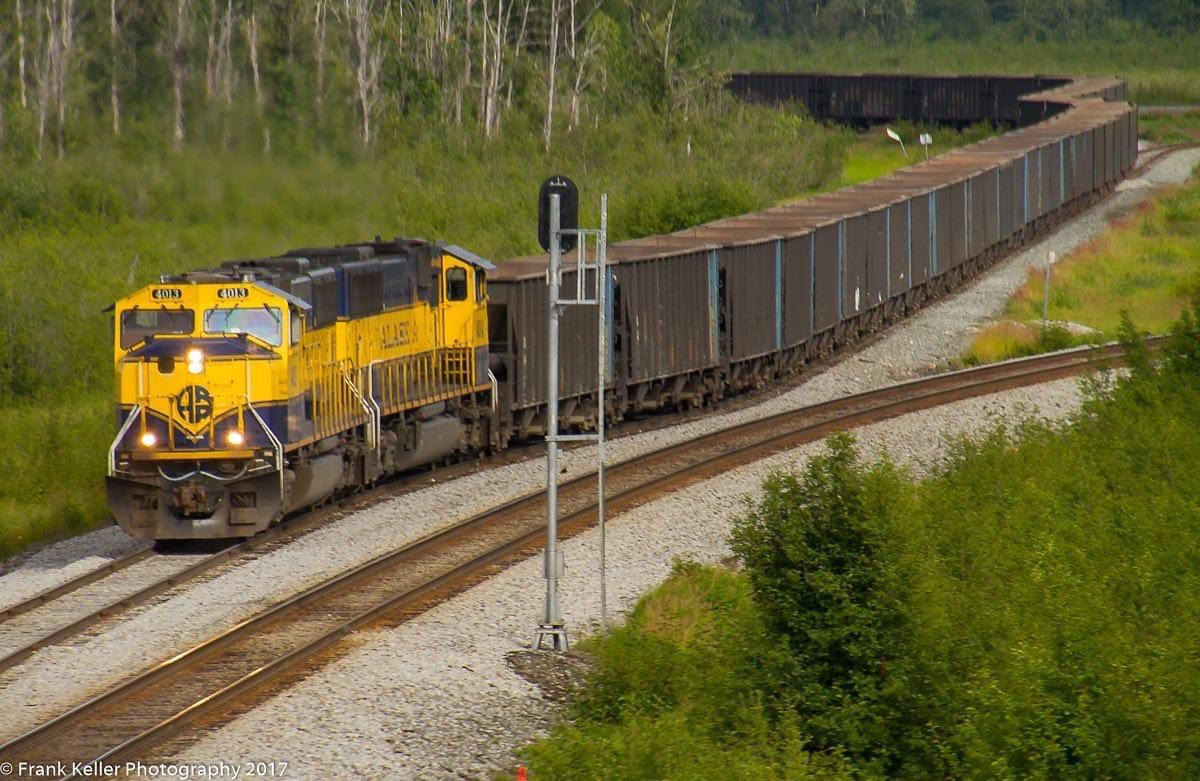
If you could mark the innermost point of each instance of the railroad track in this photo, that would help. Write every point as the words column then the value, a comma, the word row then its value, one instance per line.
column 1151, row 156
column 269, row 539
column 137, row 714
column 86, row 579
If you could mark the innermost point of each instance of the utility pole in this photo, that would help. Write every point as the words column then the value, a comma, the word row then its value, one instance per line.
column 552, row 627
column 1046, row 290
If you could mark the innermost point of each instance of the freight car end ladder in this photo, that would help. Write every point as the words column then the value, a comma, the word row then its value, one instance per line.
column 552, row 628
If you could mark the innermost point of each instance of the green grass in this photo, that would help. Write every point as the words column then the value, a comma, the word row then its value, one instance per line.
column 1160, row 70
column 873, row 154
column 1147, row 265
column 53, row 466
column 1030, row 609
column 1178, row 128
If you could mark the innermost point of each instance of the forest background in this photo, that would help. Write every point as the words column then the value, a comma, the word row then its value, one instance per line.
column 143, row 137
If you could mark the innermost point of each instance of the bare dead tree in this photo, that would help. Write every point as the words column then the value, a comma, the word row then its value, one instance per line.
column 114, row 38
column 320, row 12
column 210, row 59
column 440, row 44
column 43, row 68
column 250, row 30
column 518, row 48
column 580, row 56
column 493, row 64
column 224, row 66
column 179, row 19
column 652, row 23
column 63, row 18
column 548, row 127
column 21, row 54
column 367, row 61
column 485, row 61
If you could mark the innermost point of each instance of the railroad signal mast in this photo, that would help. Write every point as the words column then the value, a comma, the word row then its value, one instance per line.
column 558, row 232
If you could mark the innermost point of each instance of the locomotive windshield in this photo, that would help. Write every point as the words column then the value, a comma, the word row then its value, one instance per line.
column 262, row 322
column 139, row 324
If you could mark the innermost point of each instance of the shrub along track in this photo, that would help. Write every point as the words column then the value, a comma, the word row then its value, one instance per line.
column 130, row 718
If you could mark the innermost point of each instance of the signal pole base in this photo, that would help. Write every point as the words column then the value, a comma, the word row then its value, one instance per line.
column 556, row 635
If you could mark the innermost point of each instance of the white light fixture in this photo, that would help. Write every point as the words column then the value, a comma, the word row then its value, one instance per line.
column 892, row 134
column 148, row 439
column 235, row 438
column 195, row 361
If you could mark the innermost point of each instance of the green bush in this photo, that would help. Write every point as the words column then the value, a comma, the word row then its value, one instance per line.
column 819, row 560
column 682, row 692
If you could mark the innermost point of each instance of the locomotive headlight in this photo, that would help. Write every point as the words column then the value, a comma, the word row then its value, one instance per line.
column 235, row 438
column 195, row 361
column 148, row 439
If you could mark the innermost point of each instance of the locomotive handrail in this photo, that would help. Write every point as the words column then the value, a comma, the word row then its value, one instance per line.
column 377, row 414
column 362, row 401
column 270, row 435
column 112, row 449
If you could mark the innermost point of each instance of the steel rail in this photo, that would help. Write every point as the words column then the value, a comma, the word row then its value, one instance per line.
column 91, row 576
column 703, row 457
column 293, row 526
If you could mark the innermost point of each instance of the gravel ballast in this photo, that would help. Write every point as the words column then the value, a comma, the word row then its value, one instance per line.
column 55, row 678
column 29, row 627
column 31, row 574
column 435, row 698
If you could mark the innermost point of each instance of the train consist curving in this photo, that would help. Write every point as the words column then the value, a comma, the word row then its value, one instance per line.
column 268, row 385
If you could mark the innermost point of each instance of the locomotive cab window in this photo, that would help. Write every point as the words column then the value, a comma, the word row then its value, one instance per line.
column 456, row 284
column 262, row 322
column 480, row 288
column 139, row 324
column 295, row 328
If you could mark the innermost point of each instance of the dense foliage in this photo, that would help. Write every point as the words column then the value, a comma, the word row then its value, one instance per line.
column 1160, row 66
column 1030, row 609
column 820, row 570
column 339, row 74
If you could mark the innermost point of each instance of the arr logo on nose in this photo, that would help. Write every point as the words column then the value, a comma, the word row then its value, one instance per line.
column 194, row 404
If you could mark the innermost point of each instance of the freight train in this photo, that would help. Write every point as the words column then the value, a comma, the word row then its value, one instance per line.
column 268, row 385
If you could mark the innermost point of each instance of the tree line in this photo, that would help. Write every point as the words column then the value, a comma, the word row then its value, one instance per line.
column 893, row 19
column 341, row 68
column 320, row 62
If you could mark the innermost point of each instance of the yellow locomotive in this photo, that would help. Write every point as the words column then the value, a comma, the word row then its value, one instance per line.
column 266, row 385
